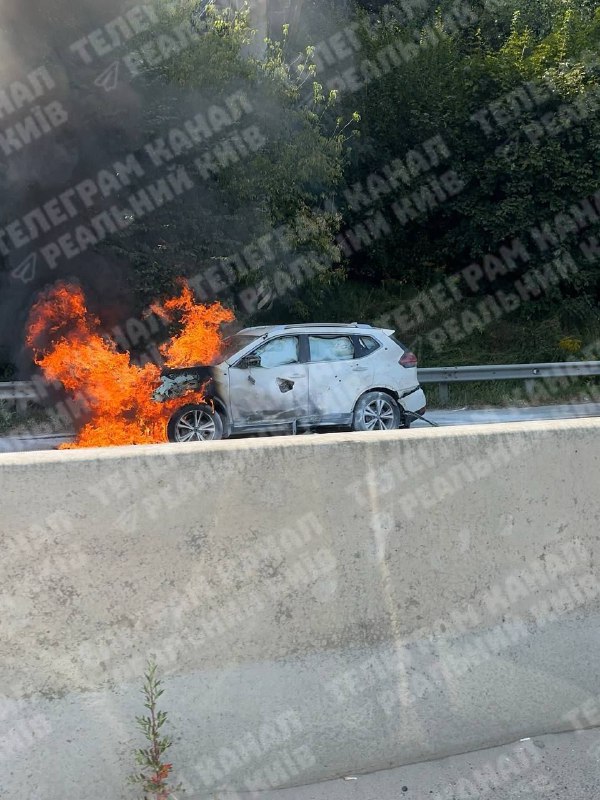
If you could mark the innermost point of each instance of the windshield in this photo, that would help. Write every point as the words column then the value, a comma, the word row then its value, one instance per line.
column 232, row 345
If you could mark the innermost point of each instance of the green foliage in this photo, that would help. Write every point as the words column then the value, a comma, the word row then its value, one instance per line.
column 288, row 179
column 515, row 177
column 153, row 776
column 7, row 416
column 7, row 368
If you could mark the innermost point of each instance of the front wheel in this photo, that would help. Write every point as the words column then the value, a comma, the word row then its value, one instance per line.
column 195, row 423
column 376, row 411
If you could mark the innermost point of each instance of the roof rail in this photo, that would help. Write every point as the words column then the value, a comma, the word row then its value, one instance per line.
column 328, row 325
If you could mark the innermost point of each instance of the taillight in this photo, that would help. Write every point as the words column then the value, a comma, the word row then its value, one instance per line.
column 408, row 360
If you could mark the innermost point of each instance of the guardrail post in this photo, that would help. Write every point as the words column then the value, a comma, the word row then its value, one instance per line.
column 444, row 392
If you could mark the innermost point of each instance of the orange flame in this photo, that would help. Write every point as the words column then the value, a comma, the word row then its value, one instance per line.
column 199, row 340
column 69, row 346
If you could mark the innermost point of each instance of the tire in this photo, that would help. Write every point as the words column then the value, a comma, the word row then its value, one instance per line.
column 225, row 424
column 377, row 411
column 200, row 423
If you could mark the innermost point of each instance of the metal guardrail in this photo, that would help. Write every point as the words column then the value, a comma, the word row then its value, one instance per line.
column 444, row 376
column 22, row 392
column 18, row 393
column 17, row 390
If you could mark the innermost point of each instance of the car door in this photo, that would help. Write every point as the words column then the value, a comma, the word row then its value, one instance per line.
column 273, row 390
column 337, row 376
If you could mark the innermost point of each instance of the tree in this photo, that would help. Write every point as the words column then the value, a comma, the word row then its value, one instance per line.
column 520, row 121
column 286, row 180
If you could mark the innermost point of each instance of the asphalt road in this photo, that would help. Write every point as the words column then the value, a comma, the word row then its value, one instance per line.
column 16, row 444
column 560, row 766
column 461, row 416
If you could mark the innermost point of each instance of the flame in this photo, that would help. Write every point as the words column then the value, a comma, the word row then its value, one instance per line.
column 199, row 340
column 69, row 346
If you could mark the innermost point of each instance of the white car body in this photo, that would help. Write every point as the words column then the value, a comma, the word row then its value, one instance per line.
column 304, row 376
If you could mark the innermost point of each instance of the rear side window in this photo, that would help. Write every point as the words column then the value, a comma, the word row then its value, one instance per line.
column 365, row 345
column 331, row 348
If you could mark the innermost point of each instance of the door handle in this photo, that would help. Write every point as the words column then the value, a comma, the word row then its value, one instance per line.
column 301, row 375
column 359, row 369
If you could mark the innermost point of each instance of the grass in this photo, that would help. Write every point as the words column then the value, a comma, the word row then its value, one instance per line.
column 498, row 394
column 34, row 421
column 8, row 416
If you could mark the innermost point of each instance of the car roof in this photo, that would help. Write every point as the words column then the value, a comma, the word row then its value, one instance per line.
column 313, row 327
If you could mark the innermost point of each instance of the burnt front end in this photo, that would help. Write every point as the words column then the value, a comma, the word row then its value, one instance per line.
column 179, row 382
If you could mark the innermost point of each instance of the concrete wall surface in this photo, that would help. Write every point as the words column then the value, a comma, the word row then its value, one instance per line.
column 318, row 606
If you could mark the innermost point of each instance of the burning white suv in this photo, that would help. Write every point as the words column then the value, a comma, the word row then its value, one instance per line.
column 285, row 378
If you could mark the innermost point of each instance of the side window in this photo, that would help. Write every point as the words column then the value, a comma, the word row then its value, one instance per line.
column 331, row 348
column 278, row 352
column 365, row 345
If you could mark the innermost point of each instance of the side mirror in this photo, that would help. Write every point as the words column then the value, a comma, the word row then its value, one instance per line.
column 249, row 361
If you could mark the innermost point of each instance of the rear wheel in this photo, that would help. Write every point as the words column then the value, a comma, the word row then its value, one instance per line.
column 377, row 411
column 195, row 423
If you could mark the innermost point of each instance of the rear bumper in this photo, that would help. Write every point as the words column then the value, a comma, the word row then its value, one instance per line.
column 415, row 401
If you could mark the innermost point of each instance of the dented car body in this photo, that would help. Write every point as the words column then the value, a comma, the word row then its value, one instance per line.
column 285, row 378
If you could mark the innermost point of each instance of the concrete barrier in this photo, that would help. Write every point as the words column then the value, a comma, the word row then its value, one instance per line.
column 318, row 606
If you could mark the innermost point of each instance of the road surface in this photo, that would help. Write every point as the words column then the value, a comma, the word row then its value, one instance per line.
column 560, row 766
column 448, row 418
column 487, row 416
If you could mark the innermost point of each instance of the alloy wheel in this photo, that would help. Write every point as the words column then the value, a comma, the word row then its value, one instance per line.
column 195, row 426
column 379, row 415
